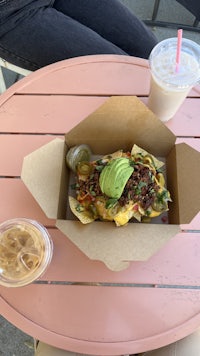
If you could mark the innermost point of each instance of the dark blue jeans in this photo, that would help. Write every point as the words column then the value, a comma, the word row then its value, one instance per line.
column 35, row 33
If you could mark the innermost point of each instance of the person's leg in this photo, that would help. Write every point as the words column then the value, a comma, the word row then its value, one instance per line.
column 189, row 346
column 45, row 36
column 113, row 21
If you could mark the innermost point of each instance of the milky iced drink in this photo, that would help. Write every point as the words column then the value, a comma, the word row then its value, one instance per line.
column 169, row 87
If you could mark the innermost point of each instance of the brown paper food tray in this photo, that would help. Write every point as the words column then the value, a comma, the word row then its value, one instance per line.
column 117, row 124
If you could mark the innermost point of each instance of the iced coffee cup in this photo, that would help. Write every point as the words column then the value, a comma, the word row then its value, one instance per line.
column 25, row 252
column 169, row 84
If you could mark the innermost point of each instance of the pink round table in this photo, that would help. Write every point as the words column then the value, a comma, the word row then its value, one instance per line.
column 79, row 304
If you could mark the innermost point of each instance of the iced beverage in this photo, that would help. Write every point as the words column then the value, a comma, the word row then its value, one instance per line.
column 169, row 87
column 25, row 252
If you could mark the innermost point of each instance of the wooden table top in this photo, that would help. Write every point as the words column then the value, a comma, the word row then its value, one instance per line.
column 79, row 304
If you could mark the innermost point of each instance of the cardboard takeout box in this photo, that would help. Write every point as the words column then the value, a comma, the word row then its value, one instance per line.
column 117, row 124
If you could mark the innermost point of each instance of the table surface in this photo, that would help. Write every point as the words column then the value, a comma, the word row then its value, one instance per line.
column 79, row 304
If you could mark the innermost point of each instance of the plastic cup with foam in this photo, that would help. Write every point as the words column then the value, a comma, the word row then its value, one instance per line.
column 169, row 84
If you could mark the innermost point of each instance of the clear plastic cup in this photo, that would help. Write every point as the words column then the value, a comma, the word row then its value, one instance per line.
column 26, row 250
column 169, row 87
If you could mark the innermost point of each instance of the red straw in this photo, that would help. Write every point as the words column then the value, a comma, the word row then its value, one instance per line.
column 178, row 50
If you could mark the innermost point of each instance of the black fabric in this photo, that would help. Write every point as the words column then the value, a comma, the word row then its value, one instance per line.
column 40, row 32
column 193, row 6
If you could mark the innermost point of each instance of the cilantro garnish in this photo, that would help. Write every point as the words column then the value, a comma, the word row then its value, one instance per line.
column 110, row 203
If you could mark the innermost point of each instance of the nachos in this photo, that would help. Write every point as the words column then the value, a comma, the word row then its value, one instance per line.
column 119, row 187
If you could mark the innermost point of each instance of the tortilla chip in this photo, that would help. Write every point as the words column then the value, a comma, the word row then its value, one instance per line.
column 138, row 150
column 80, row 212
column 113, row 155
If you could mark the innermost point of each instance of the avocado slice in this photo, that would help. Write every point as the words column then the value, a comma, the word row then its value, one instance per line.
column 114, row 177
column 110, row 170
